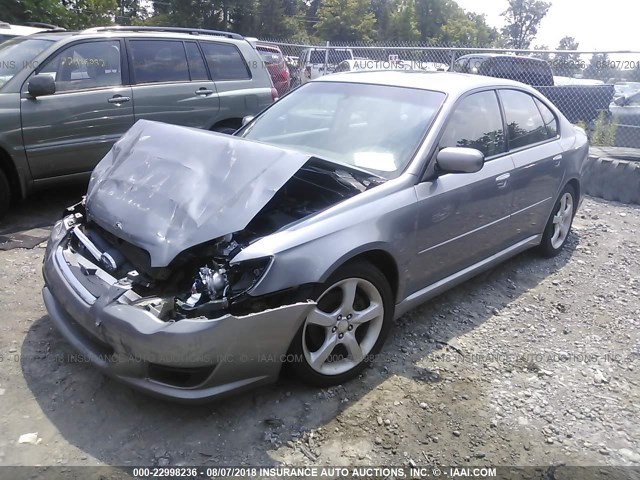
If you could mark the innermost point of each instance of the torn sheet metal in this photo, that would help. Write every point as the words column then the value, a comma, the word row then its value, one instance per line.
column 166, row 188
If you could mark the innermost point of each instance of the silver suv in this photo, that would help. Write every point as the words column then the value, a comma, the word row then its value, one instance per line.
column 66, row 97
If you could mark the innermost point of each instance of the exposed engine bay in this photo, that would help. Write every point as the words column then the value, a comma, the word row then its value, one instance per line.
column 201, row 281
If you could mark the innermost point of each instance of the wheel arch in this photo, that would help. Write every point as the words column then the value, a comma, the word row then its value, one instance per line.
column 8, row 167
column 379, row 258
column 576, row 187
column 234, row 123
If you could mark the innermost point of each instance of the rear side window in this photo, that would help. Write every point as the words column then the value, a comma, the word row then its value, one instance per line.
column 476, row 123
column 86, row 65
column 524, row 122
column 225, row 61
column 158, row 61
column 197, row 69
column 549, row 119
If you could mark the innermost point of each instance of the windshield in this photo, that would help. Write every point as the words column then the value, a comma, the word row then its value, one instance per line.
column 374, row 127
column 17, row 54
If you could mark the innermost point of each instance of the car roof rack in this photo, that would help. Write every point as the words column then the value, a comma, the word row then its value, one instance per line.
column 46, row 26
column 191, row 31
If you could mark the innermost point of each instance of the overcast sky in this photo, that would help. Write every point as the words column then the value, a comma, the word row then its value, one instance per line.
column 596, row 24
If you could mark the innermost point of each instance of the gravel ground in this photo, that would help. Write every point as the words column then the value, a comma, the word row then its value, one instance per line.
column 533, row 363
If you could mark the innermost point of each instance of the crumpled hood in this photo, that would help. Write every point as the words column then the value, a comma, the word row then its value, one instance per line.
column 166, row 188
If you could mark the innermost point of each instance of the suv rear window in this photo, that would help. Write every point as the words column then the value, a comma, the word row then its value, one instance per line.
column 158, row 61
column 225, row 61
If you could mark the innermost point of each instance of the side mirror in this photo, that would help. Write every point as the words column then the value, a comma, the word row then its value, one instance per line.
column 247, row 119
column 459, row 160
column 41, row 85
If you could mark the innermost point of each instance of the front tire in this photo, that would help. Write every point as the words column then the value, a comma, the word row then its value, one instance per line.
column 558, row 226
column 349, row 325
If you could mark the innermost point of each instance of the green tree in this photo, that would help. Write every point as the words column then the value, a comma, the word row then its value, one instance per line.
column 402, row 22
column 345, row 21
column 523, row 18
column 567, row 64
column 600, row 68
column 431, row 15
column 467, row 30
column 542, row 55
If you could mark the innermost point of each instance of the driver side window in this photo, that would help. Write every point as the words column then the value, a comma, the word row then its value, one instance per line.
column 476, row 123
column 86, row 65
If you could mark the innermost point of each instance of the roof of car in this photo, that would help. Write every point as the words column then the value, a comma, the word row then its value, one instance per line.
column 439, row 81
column 500, row 55
column 18, row 30
column 149, row 32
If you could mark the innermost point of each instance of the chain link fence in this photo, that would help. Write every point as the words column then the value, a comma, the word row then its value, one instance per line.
column 599, row 91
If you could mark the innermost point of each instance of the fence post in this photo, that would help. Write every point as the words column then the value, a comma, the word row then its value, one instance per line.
column 453, row 57
column 326, row 58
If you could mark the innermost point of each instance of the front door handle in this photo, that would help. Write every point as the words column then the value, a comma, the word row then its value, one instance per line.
column 118, row 99
column 501, row 180
column 557, row 160
column 204, row 91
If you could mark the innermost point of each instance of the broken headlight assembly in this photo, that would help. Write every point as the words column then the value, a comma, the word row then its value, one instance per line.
column 218, row 284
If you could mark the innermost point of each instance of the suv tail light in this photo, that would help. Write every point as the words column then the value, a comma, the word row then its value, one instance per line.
column 274, row 94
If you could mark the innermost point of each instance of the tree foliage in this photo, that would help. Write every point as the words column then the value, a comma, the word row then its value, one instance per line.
column 345, row 21
column 523, row 18
column 433, row 21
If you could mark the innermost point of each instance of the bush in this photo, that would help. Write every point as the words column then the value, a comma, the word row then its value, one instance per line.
column 604, row 132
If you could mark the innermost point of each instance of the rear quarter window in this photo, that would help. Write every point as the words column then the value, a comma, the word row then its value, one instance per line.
column 225, row 61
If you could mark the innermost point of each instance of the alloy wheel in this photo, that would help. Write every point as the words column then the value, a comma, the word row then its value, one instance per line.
column 562, row 220
column 344, row 326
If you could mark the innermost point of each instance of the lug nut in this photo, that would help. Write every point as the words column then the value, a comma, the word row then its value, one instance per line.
column 339, row 317
column 349, row 317
column 333, row 329
column 350, row 327
column 341, row 335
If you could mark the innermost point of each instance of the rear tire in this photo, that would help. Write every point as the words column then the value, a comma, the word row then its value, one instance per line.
column 558, row 226
column 348, row 327
column 5, row 194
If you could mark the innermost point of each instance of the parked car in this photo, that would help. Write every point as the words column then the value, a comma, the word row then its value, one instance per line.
column 8, row 31
column 626, row 89
column 315, row 62
column 625, row 115
column 275, row 63
column 579, row 103
column 199, row 263
column 66, row 97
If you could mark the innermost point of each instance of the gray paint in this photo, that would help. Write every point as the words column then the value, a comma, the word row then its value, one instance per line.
column 165, row 188
column 438, row 229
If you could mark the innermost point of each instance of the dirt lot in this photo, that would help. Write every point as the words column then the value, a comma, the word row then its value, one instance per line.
column 533, row 363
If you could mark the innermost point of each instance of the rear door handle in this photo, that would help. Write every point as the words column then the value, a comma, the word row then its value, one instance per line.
column 557, row 160
column 501, row 180
column 118, row 99
column 204, row 91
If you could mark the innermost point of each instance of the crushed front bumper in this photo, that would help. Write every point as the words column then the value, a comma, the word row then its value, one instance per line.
column 188, row 360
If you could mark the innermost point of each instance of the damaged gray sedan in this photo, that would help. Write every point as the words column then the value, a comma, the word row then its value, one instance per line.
column 199, row 264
